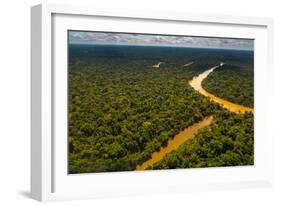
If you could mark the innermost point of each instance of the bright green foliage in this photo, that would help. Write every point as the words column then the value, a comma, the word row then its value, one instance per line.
column 121, row 109
column 120, row 112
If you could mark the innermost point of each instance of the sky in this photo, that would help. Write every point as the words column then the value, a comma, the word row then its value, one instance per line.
column 82, row 37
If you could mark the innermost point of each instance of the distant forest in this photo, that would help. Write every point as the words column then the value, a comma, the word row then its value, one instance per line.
column 121, row 109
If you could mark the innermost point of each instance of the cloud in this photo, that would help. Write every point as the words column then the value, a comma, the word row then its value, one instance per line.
column 81, row 37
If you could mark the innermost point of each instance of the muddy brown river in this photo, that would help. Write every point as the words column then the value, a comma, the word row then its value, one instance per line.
column 174, row 143
column 196, row 83
column 192, row 130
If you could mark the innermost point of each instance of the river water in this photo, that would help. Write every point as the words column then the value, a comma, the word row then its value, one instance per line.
column 192, row 130
column 196, row 84
column 174, row 143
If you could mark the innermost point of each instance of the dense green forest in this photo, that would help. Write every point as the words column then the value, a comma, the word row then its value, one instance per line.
column 120, row 109
column 227, row 142
column 119, row 115
column 233, row 82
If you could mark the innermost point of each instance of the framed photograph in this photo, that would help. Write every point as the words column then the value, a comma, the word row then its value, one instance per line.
column 136, row 102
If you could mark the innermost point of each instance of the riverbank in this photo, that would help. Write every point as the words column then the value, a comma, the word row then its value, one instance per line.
column 174, row 143
column 196, row 83
column 192, row 130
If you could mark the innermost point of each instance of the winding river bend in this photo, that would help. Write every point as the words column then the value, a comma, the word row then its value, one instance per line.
column 196, row 83
column 192, row 130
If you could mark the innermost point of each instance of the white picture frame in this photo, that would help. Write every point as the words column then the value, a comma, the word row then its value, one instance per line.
column 49, row 178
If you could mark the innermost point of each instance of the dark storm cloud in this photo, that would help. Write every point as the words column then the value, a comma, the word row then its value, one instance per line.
column 77, row 37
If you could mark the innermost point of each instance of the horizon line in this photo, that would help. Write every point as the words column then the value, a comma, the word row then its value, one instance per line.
column 150, row 45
